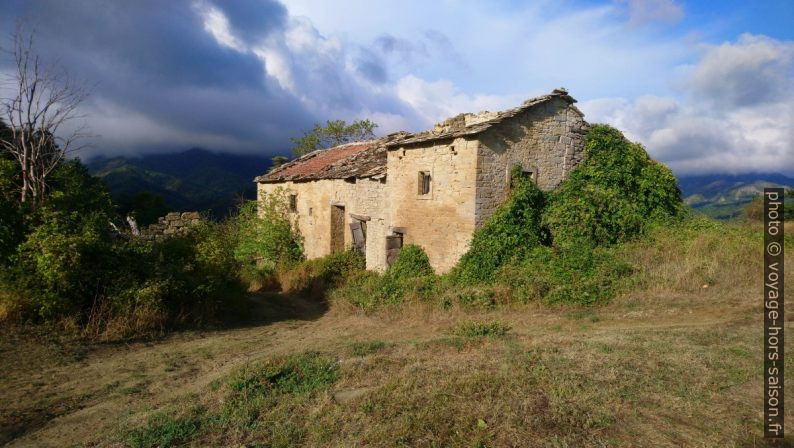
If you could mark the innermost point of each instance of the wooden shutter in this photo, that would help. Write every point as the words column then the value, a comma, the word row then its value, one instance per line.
column 423, row 183
column 358, row 235
column 394, row 244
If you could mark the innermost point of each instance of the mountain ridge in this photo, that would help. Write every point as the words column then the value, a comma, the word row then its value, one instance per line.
column 195, row 179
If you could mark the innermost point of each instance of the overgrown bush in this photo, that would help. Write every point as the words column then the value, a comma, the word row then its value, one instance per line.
column 577, row 274
column 410, row 276
column 509, row 234
column 316, row 276
column 70, row 266
column 613, row 194
column 267, row 239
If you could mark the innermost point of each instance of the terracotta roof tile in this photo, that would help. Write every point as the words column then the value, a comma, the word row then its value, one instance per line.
column 359, row 159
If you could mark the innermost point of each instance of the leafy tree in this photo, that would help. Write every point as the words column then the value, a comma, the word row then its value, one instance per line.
column 277, row 161
column 335, row 132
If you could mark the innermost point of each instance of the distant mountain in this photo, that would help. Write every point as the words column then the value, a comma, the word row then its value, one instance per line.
column 196, row 179
column 724, row 196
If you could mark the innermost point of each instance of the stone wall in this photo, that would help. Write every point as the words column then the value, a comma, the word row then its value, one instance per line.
column 363, row 200
column 174, row 223
column 441, row 222
column 546, row 140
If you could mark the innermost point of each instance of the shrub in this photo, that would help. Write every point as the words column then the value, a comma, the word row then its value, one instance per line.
column 510, row 233
column 577, row 274
column 613, row 194
column 11, row 223
column 320, row 274
column 411, row 276
column 362, row 290
column 411, row 262
column 267, row 239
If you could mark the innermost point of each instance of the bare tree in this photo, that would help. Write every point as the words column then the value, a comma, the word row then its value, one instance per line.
column 38, row 103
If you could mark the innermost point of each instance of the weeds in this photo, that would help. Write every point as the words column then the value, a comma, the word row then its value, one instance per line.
column 479, row 330
column 299, row 374
column 163, row 431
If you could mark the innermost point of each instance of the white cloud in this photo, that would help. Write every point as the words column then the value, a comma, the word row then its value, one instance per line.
column 751, row 71
column 216, row 23
column 717, row 127
column 434, row 101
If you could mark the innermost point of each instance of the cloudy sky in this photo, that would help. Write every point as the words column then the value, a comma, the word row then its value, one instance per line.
column 707, row 86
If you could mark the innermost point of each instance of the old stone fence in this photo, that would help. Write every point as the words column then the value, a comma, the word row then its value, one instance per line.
column 174, row 223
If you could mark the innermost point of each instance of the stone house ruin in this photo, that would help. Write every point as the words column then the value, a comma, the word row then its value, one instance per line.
column 431, row 188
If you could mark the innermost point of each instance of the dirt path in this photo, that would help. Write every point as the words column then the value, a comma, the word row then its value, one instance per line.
column 55, row 394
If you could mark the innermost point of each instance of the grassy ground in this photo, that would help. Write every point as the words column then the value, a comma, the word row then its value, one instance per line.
column 676, row 361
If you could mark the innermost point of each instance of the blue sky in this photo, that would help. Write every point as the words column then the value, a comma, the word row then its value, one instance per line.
column 707, row 86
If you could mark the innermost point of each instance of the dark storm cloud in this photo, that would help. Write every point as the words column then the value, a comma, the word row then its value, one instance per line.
column 154, row 59
column 252, row 19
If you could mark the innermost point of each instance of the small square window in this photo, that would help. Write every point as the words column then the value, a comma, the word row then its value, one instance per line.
column 424, row 183
column 293, row 202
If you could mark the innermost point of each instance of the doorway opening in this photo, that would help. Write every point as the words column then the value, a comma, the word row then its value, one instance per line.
column 337, row 228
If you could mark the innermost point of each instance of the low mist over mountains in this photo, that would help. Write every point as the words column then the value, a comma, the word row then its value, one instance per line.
column 196, row 179
column 723, row 196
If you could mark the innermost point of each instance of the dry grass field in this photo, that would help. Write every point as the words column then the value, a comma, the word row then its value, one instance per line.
column 675, row 360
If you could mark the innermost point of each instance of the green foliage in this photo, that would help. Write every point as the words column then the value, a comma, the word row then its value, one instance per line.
column 411, row 276
column 316, row 276
column 11, row 216
column 68, row 264
column 575, row 274
column 297, row 374
column 411, row 262
column 74, row 191
column 267, row 237
column 335, row 132
column 63, row 262
column 510, row 233
column 478, row 330
column 163, row 431
column 613, row 194
column 277, row 161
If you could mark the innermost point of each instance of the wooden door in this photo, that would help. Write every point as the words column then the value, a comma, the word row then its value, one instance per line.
column 337, row 228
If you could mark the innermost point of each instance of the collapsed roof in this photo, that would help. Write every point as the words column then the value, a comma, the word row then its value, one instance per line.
column 368, row 159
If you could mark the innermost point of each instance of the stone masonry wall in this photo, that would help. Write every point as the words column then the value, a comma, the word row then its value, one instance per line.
column 174, row 223
column 547, row 140
column 360, row 197
column 441, row 222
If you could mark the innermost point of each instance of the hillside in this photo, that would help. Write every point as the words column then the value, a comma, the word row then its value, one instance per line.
column 658, row 366
column 196, row 179
column 723, row 196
